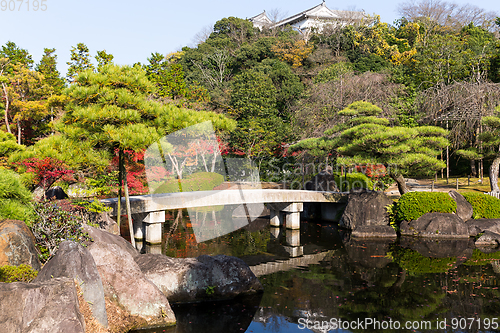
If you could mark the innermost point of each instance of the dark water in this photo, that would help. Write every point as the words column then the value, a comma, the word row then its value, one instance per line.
column 359, row 285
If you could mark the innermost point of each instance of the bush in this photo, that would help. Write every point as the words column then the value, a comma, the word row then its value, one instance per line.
column 485, row 206
column 353, row 180
column 200, row 181
column 21, row 273
column 14, row 197
column 412, row 205
column 53, row 225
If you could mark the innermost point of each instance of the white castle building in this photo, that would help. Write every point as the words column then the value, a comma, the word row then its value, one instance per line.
column 314, row 18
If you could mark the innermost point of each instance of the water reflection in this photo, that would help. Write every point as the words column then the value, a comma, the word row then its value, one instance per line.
column 334, row 276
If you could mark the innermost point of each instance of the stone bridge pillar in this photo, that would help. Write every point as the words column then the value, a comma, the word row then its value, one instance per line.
column 291, row 211
column 152, row 227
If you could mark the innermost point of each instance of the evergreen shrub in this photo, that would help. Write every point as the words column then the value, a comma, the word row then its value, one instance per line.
column 485, row 206
column 14, row 197
column 200, row 181
column 412, row 205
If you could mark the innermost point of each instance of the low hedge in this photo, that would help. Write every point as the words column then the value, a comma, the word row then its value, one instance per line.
column 485, row 206
column 412, row 205
column 200, row 181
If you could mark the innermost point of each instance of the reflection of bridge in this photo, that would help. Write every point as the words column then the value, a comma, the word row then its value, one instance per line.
column 151, row 208
column 288, row 264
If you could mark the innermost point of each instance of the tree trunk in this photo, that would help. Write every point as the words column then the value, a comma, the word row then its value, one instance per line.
column 473, row 168
column 399, row 179
column 494, row 168
column 6, row 108
column 123, row 172
column 19, row 132
column 120, row 184
column 129, row 212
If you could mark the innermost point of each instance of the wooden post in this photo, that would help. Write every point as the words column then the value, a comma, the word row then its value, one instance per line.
column 457, row 184
column 432, row 186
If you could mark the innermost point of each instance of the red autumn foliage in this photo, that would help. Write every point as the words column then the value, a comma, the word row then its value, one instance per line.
column 372, row 170
column 46, row 171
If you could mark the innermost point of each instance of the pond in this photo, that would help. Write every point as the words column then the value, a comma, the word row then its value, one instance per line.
column 320, row 280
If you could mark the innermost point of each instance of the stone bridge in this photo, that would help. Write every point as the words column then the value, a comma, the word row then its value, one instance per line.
column 148, row 211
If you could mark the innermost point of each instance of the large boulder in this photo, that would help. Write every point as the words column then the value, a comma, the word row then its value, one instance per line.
column 201, row 278
column 436, row 225
column 125, row 284
column 365, row 208
column 74, row 261
column 481, row 225
column 46, row 307
column 488, row 239
column 464, row 208
column 17, row 245
column 102, row 236
column 374, row 231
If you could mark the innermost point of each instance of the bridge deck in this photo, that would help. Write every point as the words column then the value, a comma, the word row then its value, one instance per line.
column 160, row 202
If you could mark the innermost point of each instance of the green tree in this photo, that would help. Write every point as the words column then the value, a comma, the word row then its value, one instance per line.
column 253, row 103
column 80, row 61
column 16, row 55
column 48, row 67
column 490, row 141
column 110, row 109
column 365, row 139
column 27, row 93
column 103, row 58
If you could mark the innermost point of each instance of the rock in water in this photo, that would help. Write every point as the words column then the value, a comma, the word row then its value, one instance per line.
column 436, row 225
column 198, row 279
column 365, row 208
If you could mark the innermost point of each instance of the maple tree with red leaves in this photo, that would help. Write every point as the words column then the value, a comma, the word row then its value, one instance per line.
column 46, row 171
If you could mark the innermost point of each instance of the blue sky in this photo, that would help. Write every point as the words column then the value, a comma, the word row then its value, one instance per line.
column 132, row 30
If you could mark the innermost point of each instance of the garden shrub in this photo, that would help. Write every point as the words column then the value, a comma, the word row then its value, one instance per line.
column 200, row 181
column 21, row 273
column 485, row 206
column 14, row 197
column 352, row 180
column 52, row 225
column 412, row 205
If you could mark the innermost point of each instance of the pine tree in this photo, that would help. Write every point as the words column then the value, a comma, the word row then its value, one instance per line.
column 365, row 139
column 110, row 109
column 80, row 61
column 48, row 67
